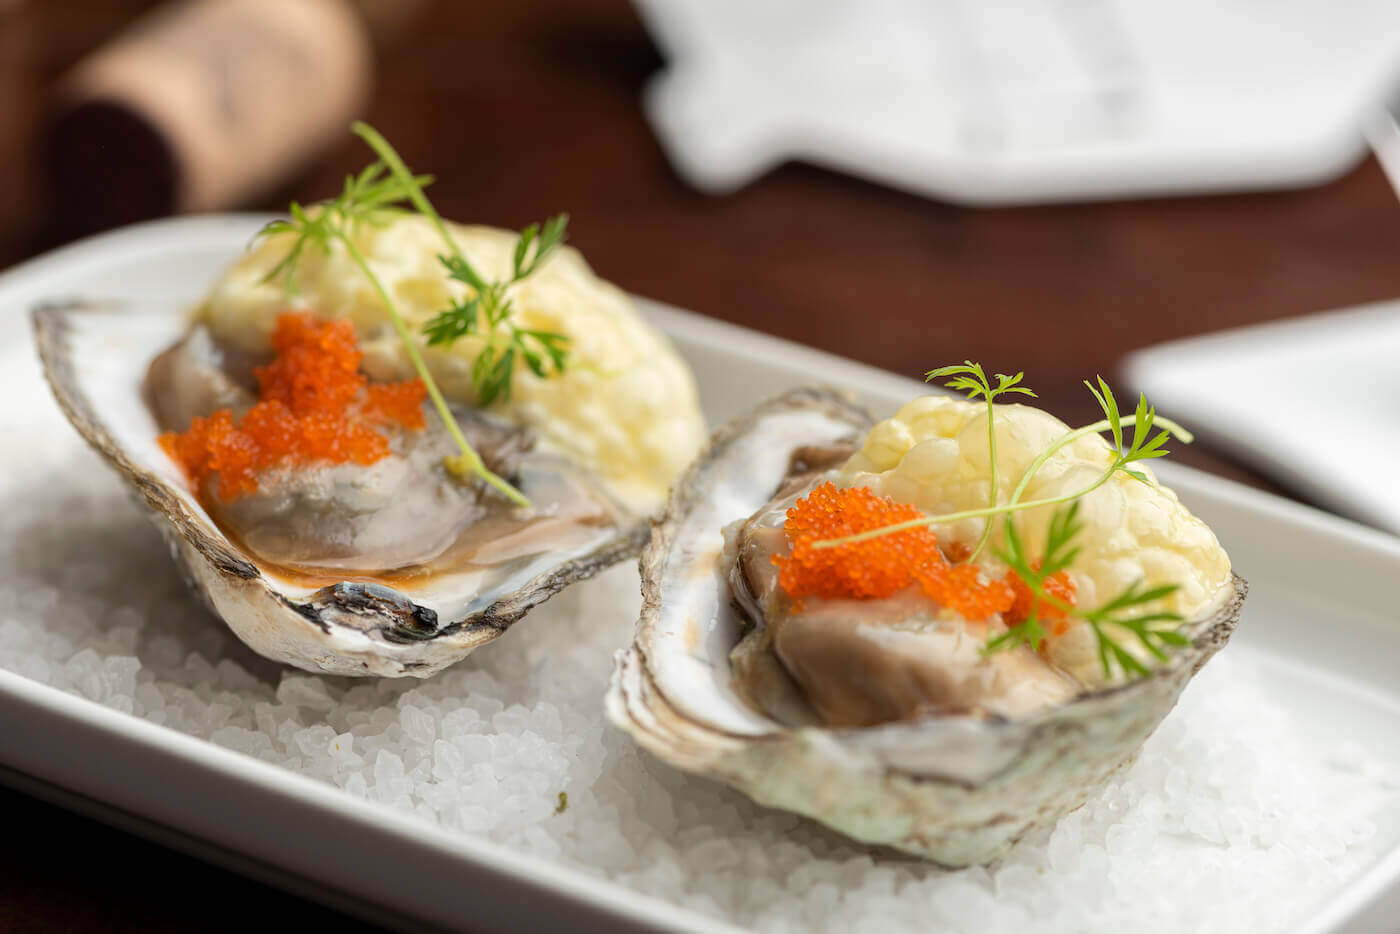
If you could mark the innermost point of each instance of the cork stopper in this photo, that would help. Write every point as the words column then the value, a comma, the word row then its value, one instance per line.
column 201, row 106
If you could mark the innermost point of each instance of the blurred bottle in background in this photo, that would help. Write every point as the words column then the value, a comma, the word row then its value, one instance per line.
column 18, row 111
column 203, row 104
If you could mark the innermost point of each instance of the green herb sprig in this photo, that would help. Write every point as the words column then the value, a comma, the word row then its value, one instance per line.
column 1059, row 554
column 486, row 314
column 487, row 311
column 367, row 198
column 370, row 198
column 1143, row 626
column 1144, row 446
column 1124, row 613
column 968, row 377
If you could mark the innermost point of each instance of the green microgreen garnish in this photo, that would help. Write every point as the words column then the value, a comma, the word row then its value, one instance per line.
column 1142, row 626
column 486, row 313
column 1145, row 445
column 1124, row 613
column 968, row 377
column 1059, row 555
column 369, row 198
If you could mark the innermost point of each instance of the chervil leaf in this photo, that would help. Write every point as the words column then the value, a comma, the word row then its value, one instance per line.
column 488, row 313
column 1151, row 448
column 544, row 240
column 522, row 248
column 1008, row 384
column 448, row 325
column 1104, row 395
column 534, row 361
column 970, row 378
column 551, row 237
column 498, row 311
column 967, row 384
column 1128, row 612
column 458, row 268
column 1028, row 633
column 1143, row 417
column 497, row 382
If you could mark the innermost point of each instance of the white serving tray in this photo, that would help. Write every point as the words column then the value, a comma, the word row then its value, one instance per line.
column 1320, row 624
column 1333, row 393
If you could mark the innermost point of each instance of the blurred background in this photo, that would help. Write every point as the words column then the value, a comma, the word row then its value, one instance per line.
column 1040, row 185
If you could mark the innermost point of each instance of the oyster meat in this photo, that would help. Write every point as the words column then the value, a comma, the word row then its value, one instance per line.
column 884, row 718
column 394, row 567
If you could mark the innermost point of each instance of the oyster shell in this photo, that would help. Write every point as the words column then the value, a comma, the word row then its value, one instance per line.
column 955, row 788
column 342, row 622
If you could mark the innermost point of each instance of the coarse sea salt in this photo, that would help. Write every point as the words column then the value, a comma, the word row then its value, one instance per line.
column 1217, row 827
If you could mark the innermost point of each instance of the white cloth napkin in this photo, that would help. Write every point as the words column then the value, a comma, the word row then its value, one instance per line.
column 1314, row 401
column 1005, row 101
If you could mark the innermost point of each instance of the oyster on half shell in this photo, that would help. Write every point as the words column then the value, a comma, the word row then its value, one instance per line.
column 321, row 613
column 701, row 688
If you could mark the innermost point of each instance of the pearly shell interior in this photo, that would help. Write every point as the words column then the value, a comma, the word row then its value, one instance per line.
column 95, row 358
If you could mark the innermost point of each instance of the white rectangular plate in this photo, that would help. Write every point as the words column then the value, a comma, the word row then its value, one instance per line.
column 1319, row 625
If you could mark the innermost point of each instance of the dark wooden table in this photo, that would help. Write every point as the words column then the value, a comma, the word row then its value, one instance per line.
column 525, row 109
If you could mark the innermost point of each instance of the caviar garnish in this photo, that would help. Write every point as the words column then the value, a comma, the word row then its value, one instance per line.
column 395, row 403
column 962, row 588
column 1060, row 590
column 315, row 407
column 879, row 567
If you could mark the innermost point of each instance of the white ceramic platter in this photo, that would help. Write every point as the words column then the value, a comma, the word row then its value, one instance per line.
column 1320, row 625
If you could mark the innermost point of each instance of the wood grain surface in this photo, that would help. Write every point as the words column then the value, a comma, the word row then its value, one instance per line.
column 525, row 109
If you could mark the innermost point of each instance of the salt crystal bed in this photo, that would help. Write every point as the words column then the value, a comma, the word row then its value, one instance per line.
column 1214, row 828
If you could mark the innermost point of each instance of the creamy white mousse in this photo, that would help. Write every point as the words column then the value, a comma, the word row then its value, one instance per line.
column 933, row 454
column 626, row 407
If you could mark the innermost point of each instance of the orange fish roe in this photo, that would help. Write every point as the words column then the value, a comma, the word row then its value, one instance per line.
column 315, row 407
column 316, row 367
column 877, row 568
column 396, row 403
column 962, row 589
column 1058, row 585
column 881, row 567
